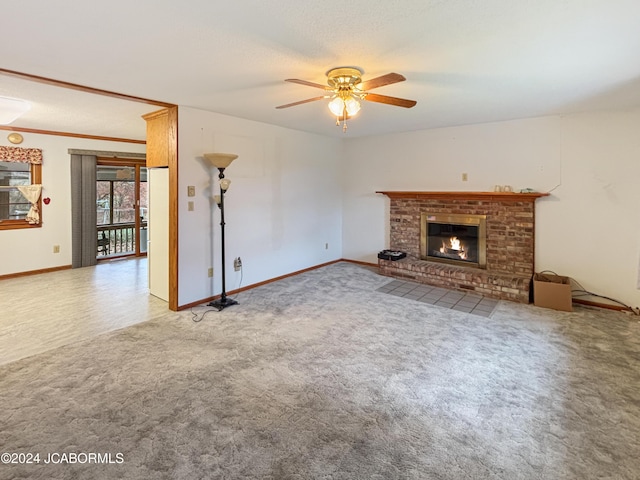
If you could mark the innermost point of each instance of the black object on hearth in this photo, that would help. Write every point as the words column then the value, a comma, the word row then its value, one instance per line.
column 391, row 255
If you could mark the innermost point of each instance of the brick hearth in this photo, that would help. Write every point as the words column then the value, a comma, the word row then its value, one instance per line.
column 510, row 241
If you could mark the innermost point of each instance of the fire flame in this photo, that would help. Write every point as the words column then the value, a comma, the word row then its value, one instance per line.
column 454, row 244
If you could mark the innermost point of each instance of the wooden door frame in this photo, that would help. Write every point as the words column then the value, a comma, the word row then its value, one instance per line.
column 173, row 158
column 172, row 136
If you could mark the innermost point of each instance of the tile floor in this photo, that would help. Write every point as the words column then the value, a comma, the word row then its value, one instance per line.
column 46, row 311
column 441, row 297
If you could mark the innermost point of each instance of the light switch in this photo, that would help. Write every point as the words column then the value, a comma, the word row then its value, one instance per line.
column 190, row 206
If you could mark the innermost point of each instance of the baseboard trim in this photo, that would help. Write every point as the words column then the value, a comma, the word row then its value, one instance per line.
column 34, row 272
column 259, row 284
column 608, row 306
column 358, row 262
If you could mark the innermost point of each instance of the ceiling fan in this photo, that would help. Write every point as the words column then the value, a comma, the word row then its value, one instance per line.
column 345, row 88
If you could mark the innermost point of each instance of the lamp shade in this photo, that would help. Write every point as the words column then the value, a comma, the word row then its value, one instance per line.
column 220, row 160
column 224, row 184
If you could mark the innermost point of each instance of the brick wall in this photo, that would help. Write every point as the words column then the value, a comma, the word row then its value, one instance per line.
column 510, row 242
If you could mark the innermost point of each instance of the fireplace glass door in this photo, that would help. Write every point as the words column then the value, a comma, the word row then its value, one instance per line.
column 456, row 239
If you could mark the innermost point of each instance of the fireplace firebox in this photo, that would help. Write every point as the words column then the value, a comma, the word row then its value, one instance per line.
column 453, row 238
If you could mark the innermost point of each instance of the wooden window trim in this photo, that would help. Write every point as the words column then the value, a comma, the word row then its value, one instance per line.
column 36, row 178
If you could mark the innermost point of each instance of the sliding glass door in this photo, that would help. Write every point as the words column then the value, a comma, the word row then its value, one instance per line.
column 121, row 208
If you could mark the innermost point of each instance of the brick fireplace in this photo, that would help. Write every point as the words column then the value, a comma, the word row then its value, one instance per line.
column 509, row 232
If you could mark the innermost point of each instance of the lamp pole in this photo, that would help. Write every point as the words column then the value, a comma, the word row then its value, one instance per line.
column 221, row 161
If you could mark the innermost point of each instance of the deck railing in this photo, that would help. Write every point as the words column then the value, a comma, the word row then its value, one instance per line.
column 121, row 239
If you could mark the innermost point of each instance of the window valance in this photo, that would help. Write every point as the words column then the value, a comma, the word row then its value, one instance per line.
column 21, row 155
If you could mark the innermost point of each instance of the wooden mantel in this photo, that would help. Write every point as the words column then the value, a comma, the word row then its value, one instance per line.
column 490, row 196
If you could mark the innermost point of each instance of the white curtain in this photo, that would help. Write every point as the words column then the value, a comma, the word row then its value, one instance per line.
column 32, row 193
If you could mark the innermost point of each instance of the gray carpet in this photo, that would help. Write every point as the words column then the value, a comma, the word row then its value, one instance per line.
column 321, row 377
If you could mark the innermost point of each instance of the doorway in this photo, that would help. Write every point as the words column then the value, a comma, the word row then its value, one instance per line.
column 121, row 208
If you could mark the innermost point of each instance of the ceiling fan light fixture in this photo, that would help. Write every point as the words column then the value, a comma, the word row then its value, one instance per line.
column 352, row 105
column 345, row 90
column 337, row 106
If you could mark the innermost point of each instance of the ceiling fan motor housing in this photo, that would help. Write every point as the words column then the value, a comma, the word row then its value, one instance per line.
column 344, row 78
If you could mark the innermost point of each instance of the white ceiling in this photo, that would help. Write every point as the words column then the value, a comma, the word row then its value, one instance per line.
column 466, row 61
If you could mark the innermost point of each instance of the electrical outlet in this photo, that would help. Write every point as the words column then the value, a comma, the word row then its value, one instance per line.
column 237, row 264
column 191, row 191
column 210, row 272
column 326, row 246
column 465, row 177
column 56, row 249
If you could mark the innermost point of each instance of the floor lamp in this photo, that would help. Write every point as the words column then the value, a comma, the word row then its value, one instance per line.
column 221, row 161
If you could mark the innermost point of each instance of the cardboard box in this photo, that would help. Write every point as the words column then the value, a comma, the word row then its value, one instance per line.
column 552, row 291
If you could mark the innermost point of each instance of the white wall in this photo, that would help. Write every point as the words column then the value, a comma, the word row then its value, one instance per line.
column 284, row 204
column 590, row 161
column 590, row 229
column 523, row 154
column 25, row 250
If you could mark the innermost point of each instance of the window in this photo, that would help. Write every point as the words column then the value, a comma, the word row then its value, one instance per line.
column 118, row 193
column 19, row 168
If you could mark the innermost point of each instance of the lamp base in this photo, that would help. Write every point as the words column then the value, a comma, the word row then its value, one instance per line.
column 221, row 304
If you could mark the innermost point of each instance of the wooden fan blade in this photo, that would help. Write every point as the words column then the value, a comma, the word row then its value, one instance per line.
column 304, row 82
column 301, row 102
column 387, row 79
column 398, row 102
